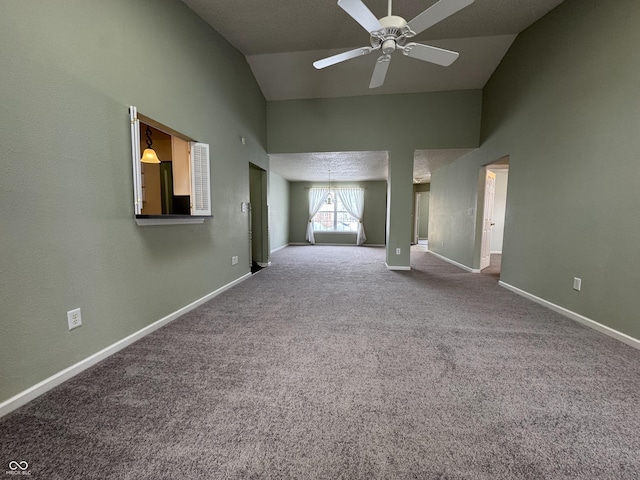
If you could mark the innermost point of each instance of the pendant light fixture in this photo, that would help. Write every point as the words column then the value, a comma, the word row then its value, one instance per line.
column 149, row 154
column 329, row 199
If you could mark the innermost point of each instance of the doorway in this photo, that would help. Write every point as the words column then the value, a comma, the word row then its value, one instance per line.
column 421, row 218
column 420, row 214
column 487, row 218
column 494, row 202
column 258, row 218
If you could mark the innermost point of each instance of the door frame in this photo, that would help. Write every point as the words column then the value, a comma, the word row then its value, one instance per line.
column 259, row 216
column 501, row 163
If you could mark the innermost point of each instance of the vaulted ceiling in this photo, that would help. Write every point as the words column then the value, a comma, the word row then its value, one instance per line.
column 282, row 38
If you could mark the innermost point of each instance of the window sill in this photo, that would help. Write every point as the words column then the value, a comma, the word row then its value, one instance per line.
column 143, row 220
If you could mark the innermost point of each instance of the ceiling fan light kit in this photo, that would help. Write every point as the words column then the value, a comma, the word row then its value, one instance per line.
column 392, row 33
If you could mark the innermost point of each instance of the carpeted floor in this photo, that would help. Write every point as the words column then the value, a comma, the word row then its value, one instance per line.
column 495, row 265
column 328, row 366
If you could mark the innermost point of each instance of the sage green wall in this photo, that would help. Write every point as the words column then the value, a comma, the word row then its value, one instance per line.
column 69, row 72
column 565, row 106
column 399, row 124
column 375, row 122
column 278, row 211
column 452, row 210
column 375, row 208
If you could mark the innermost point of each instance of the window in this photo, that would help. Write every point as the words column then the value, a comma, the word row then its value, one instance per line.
column 344, row 212
column 178, row 186
column 333, row 217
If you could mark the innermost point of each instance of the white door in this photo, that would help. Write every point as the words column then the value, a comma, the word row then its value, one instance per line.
column 487, row 219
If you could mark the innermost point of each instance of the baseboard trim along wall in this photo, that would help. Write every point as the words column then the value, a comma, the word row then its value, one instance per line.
column 397, row 267
column 47, row 384
column 453, row 262
column 279, row 248
column 623, row 337
column 295, row 244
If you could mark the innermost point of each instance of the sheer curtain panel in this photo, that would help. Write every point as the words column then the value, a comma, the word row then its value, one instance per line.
column 317, row 196
column 353, row 201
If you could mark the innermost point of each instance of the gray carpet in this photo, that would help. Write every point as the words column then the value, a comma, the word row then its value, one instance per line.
column 328, row 366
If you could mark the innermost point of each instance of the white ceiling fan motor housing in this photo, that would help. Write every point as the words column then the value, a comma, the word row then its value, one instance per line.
column 394, row 27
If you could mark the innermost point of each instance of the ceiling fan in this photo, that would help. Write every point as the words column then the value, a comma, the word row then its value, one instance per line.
column 392, row 33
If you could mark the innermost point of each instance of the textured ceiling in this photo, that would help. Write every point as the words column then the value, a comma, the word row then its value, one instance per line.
column 344, row 166
column 282, row 38
column 356, row 166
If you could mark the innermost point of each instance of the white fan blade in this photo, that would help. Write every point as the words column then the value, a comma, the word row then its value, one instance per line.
column 341, row 57
column 431, row 54
column 436, row 13
column 361, row 14
column 380, row 71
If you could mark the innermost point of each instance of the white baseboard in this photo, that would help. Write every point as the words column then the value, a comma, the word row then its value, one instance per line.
column 623, row 337
column 264, row 264
column 397, row 267
column 294, row 244
column 324, row 244
column 47, row 384
column 453, row 262
column 279, row 248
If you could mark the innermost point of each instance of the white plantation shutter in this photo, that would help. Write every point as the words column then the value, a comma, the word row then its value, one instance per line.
column 200, row 181
column 135, row 158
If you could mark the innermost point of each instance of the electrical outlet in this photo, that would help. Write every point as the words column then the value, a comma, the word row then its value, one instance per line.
column 398, row 250
column 74, row 318
column 234, row 260
column 577, row 283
